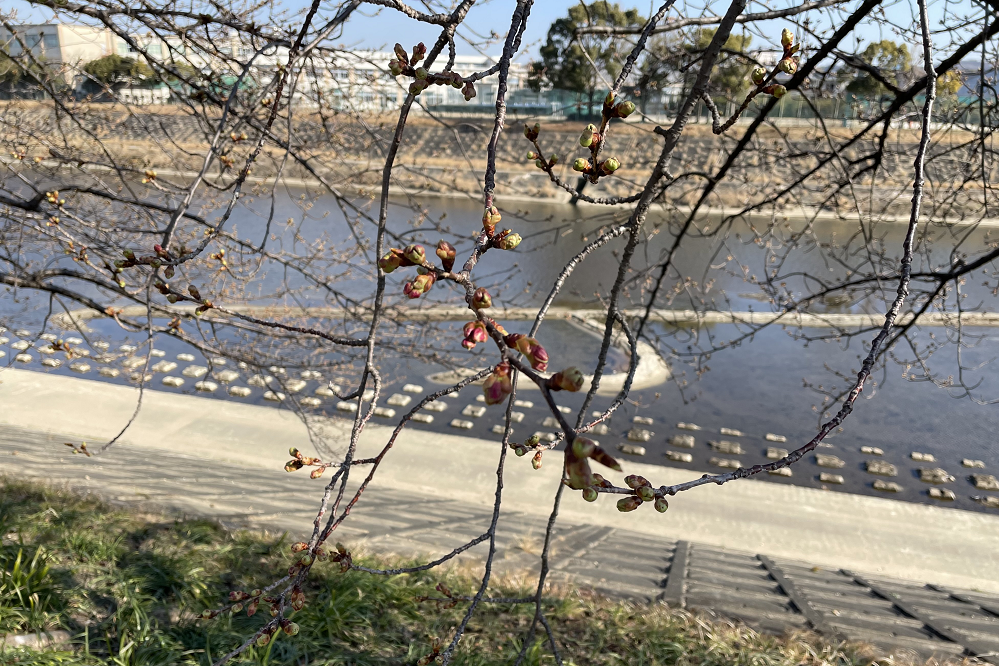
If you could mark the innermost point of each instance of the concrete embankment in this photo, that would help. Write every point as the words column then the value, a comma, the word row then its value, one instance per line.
column 881, row 536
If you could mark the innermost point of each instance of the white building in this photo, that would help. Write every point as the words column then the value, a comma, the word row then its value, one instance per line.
column 346, row 80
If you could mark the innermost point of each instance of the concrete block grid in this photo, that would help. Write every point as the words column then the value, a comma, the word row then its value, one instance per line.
column 770, row 594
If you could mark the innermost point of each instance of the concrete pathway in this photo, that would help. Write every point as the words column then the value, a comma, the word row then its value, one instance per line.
column 827, row 554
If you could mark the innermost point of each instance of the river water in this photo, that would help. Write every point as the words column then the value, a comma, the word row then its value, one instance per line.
column 772, row 382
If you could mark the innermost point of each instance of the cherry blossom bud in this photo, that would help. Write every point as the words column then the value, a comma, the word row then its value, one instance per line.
column 321, row 554
column 474, row 332
column 536, row 460
column 490, row 218
column 553, row 159
column 291, row 628
column 498, row 385
column 168, row 272
column 421, row 74
column 610, row 165
column 532, row 441
column 446, row 253
column 531, row 155
column 316, row 473
column 629, row 503
column 580, row 164
column 624, row 109
column 293, row 465
column 532, row 133
column 590, row 494
column 468, row 91
column 401, row 54
column 191, row 289
column 297, row 599
column 395, row 68
column 390, row 261
column 129, row 255
column 530, row 348
column 419, row 51
column 634, row 481
column 172, row 298
column 539, row 163
column 263, row 639
column 786, row 38
column 759, row 75
column 609, row 99
column 421, row 285
column 646, row 493
column 415, row 253
column 481, row 299
column 509, row 242
column 788, row 65
column 586, row 138
column 299, row 546
column 570, row 379
column 305, row 560
column 779, row 91
column 661, row 504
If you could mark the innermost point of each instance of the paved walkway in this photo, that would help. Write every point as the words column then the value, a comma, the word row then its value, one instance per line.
column 211, row 458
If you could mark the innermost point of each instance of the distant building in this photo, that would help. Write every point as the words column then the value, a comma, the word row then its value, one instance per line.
column 58, row 45
column 349, row 80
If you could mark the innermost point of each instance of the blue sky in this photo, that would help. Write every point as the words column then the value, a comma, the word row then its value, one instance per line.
column 375, row 28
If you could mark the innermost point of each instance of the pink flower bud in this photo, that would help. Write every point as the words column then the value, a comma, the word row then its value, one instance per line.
column 629, row 503
column 474, row 332
column 446, row 253
column 481, row 299
column 419, row 286
column 498, row 385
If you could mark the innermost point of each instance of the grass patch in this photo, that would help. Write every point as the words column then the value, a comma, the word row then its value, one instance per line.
column 130, row 587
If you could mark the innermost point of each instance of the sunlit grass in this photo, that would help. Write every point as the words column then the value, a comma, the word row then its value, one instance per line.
column 130, row 587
